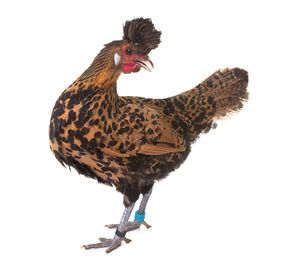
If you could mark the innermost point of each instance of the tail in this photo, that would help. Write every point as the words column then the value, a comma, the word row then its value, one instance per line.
column 194, row 111
column 228, row 89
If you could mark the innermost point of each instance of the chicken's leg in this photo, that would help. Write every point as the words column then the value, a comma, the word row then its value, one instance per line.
column 139, row 216
column 119, row 235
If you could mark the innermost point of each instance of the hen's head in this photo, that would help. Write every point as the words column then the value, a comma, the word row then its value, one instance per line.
column 131, row 53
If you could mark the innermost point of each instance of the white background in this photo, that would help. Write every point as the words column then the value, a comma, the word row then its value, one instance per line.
column 238, row 193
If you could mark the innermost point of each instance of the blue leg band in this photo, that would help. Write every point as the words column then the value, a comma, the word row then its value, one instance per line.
column 139, row 217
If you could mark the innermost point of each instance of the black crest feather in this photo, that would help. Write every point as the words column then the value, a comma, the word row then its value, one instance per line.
column 142, row 33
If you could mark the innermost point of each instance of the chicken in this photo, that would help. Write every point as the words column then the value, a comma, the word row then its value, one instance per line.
column 131, row 142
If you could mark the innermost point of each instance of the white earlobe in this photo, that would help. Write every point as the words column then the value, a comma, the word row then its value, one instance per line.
column 117, row 58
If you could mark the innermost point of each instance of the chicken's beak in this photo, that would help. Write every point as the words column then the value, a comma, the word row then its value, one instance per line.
column 145, row 63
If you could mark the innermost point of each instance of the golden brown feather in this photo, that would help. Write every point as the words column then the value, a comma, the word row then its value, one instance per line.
column 130, row 142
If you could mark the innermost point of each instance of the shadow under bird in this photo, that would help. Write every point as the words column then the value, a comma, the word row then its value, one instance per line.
column 131, row 142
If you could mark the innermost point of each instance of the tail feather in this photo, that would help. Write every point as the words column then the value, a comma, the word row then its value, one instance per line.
column 219, row 95
column 229, row 90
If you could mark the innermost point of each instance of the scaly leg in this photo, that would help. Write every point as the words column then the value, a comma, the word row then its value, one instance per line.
column 139, row 216
column 119, row 235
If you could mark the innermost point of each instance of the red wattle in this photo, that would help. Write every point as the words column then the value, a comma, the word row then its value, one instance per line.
column 128, row 68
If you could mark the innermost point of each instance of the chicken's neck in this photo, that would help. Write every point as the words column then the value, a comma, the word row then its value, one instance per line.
column 102, row 72
column 98, row 84
column 99, row 87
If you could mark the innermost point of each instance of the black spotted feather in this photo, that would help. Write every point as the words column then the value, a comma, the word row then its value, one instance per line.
column 130, row 142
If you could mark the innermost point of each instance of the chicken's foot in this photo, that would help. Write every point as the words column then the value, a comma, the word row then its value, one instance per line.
column 139, row 216
column 108, row 242
column 119, row 235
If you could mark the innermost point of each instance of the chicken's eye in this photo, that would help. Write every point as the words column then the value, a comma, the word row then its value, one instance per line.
column 128, row 51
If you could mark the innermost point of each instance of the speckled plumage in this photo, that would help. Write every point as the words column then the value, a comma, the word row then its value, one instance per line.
column 130, row 142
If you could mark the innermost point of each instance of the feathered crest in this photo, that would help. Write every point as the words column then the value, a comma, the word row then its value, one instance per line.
column 142, row 33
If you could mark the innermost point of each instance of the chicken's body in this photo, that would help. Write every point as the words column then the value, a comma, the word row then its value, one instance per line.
column 130, row 142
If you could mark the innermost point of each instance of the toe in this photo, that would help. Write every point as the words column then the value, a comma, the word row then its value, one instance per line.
column 113, row 247
column 102, row 239
column 132, row 226
column 97, row 245
column 146, row 224
column 127, row 240
column 112, row 225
